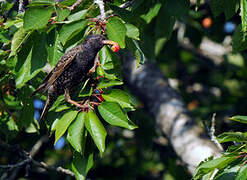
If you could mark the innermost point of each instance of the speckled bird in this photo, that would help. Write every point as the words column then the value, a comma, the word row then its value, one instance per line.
column 72, row 69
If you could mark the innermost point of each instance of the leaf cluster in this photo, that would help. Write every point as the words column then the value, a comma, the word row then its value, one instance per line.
column 232, row 164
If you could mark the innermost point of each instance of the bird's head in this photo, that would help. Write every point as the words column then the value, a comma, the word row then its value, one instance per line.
column 98, row 41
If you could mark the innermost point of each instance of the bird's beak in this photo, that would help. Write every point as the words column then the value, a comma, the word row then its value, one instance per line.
column 115, row 47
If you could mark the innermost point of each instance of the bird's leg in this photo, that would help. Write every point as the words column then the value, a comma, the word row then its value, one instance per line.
column 96, row 64
column 69, row 100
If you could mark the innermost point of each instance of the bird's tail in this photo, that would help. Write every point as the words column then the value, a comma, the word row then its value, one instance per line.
column 49, row 102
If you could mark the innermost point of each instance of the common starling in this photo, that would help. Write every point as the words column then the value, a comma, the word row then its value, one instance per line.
column 72, row 69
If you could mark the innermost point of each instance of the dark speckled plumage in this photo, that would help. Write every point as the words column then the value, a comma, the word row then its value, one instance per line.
column 71, row 70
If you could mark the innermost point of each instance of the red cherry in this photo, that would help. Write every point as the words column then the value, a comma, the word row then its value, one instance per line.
column 115, row 47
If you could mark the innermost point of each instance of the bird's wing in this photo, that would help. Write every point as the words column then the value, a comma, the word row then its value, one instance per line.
column 62, row 64
column 57, row 71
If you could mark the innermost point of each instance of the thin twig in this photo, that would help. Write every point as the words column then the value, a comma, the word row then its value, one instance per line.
column 35, row 149
column 101, row 8
column 51, row 168
column 12, row 166
column 21, row 7
column 212, row 133
column 71, row 8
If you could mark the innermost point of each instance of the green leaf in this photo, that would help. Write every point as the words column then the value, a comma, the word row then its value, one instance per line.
column 78, row 15
column 241, row 119
column 22, row 75
column 61, row 108
column 27, row 113
column 39, row 53
column 31, row 59
column 119, row 96
column 239, row 42
column 132, row 31
column 116, row 31
column 235, row 59
column 59, row 101
column 178, row 8
column 62, row 13
column 153, row 11
column 242, row 174
column 74, row 17
column 67, row 2
column 231, row 8
column 42, row 3
column 134, row 47
column 163, row 29
column 102, row 72
column 54, row 48
column 110, row 63
column 96, row 130
column 108, row 83
column 81, row 165
column 63, row 124
column 37, row 17
column 54, row 125
column 217, row 7
column 10, row 23
column 228, row 173
column 232, row 136
column 70, row 30
column 76, row 133
column 210, row 165
column 4, row 38
column 114, row 115
column 243, row 14
column 33, row 127
column 106, row 59
column 12, row 126
column 18, row 39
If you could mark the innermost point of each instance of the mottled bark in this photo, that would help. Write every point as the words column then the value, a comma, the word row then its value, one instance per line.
column 170, row 113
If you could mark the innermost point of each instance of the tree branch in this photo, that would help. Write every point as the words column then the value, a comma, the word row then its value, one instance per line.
column 51, row 168
column 28, row 157
column 187, row 138
column 12, row 166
